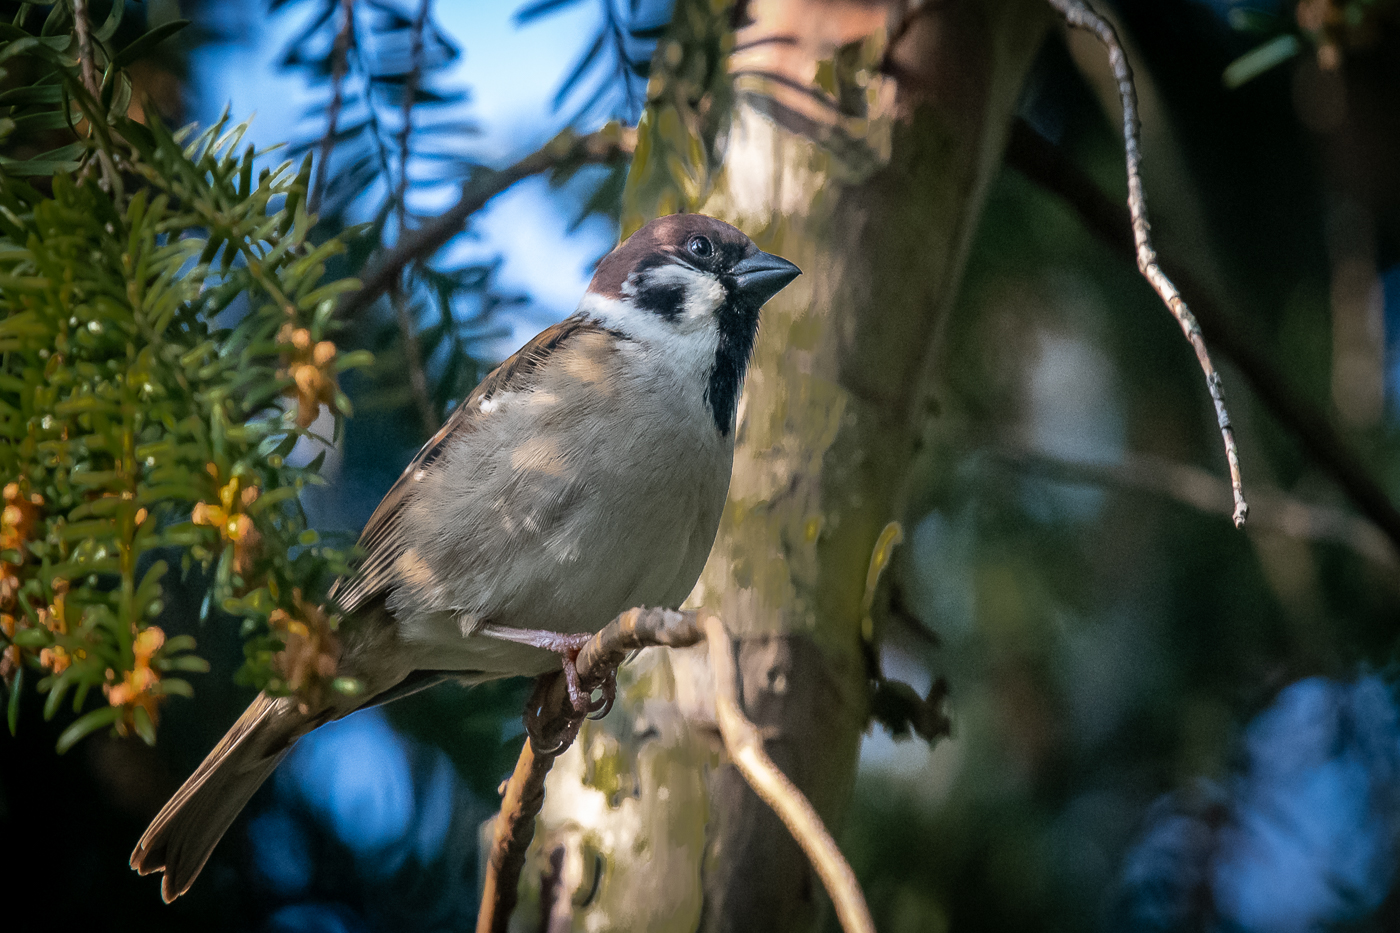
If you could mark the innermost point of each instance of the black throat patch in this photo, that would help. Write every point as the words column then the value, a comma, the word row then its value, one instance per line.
column 738, row 327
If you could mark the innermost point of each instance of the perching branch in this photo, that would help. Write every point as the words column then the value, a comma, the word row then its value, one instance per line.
column 524, row 794
column 610, row 144
column 1046, row 165
column 1078, row 14
column 552, row 711
column 513, row 832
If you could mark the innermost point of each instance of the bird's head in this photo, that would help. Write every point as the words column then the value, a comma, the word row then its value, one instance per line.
column 694, row 285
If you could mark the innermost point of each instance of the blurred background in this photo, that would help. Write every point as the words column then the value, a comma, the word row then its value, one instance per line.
column 1158, row 722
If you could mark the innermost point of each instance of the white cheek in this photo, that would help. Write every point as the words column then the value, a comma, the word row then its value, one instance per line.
column 703, row 293
column 703, row 297
column 688, row 344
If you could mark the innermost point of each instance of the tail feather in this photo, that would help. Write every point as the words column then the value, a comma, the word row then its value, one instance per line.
column 184, row 833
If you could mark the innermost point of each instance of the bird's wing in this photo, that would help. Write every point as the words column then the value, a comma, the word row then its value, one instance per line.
column 383, row 540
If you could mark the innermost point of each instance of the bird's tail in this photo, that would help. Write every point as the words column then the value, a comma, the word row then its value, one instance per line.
column 184, row 833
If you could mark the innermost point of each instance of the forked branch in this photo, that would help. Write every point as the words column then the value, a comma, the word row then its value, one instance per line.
column 551, row 710
column 1078, row 14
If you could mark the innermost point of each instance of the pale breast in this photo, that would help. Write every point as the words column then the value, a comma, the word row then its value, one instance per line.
column 598, row 489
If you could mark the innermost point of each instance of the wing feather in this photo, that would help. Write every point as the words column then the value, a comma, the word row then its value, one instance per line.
column 383, row 540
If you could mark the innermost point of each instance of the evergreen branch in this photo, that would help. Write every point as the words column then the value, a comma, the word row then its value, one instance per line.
column 607, row 146
column 413, row 352
column 1078, row 14
column 130, row 420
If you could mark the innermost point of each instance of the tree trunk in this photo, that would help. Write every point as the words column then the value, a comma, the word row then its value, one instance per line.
column 873, row 186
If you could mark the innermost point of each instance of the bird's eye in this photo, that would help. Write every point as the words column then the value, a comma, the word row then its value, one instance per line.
column 700, row 246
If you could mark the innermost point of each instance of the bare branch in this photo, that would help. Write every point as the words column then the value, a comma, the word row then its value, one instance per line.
column 745, row 747
column 410, row 90
column 111, row 179
column 413, row 359
column 1205, row 492
column 524, row 794
column 1047, row 166
column 1078, row 14
column 84, row 31
column 608, row 145
column 339, row 63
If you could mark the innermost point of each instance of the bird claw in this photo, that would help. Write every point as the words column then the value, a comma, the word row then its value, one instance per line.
column 578, row 697
column 546, row 742
column 538, row 739
column 581, row 698
column 600, row 707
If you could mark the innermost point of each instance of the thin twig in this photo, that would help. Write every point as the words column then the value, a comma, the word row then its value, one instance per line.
column 111, row 178
column 1046, row 165
column 84, row 31
column 1078, row 14
column 413, row 351
column 340, row 58
column 417, row 377
column 410, row 90
column 413, row 358
column 745, row 747
column 607, row 145
column 1204, row 491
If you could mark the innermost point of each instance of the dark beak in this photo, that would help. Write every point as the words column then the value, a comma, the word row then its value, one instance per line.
column 762, row 275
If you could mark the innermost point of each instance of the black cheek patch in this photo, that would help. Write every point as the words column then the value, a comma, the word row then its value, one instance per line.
column 664, row 300
column 738, row 327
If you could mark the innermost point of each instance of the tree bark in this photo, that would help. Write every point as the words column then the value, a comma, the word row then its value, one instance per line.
column 873, row 185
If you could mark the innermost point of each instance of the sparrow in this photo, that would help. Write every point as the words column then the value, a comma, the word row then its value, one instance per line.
column 584, row 477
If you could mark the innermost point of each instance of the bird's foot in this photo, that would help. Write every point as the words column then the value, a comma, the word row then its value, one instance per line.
column 603, row 705
column 548, row 736
column 567, row 646
column 554, row 738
